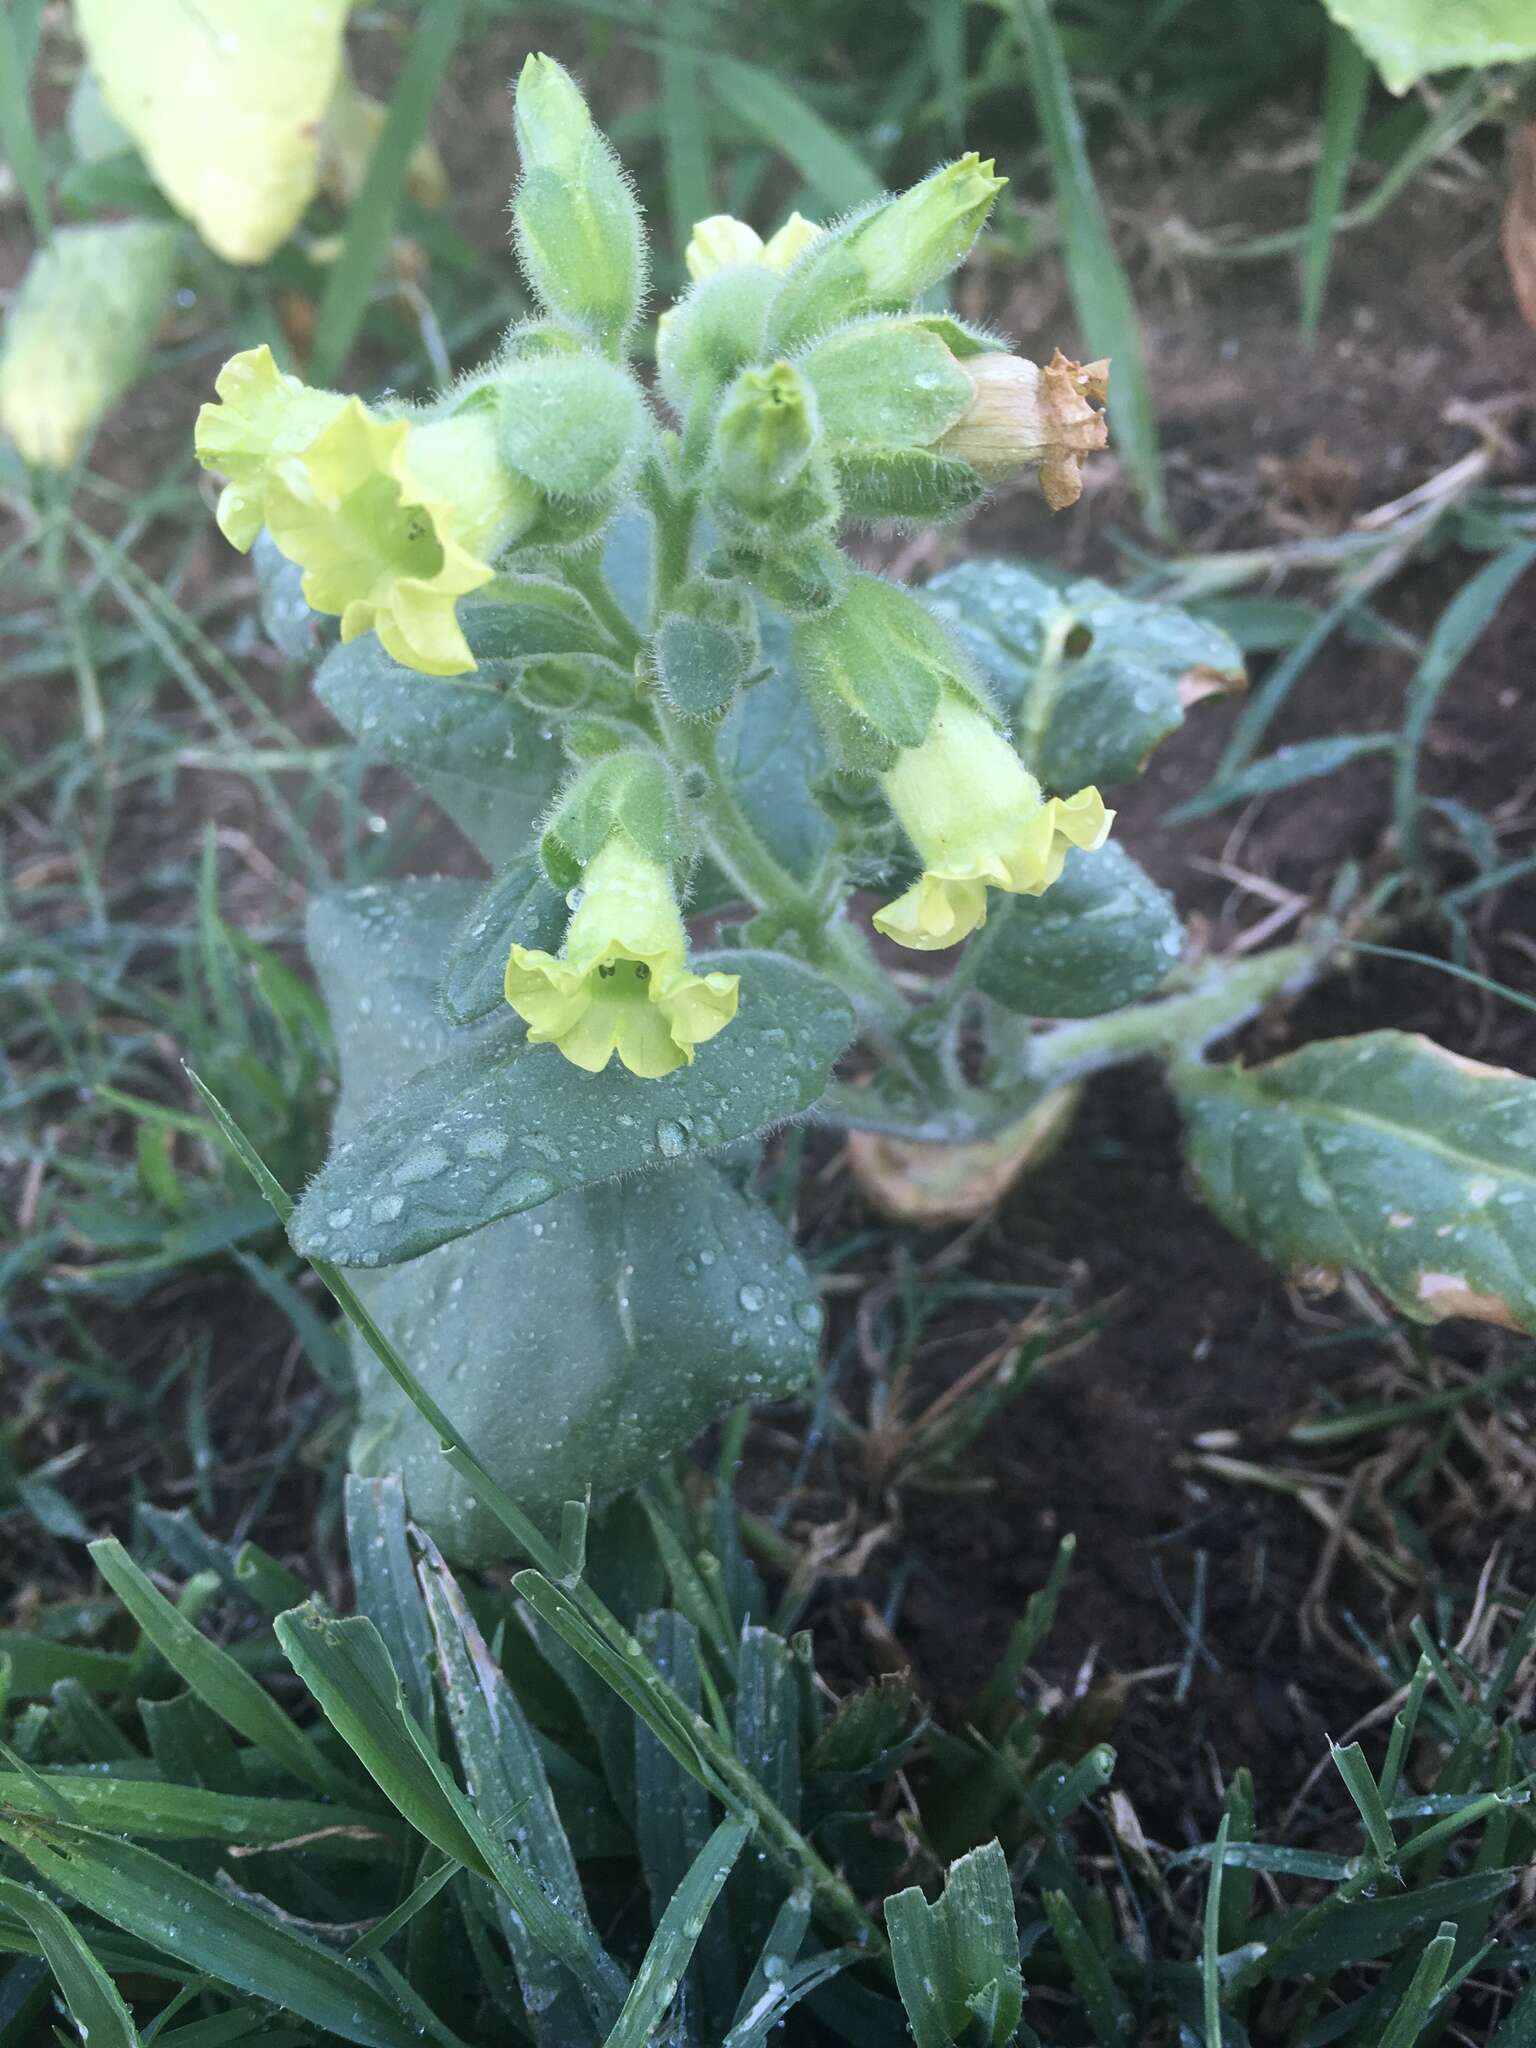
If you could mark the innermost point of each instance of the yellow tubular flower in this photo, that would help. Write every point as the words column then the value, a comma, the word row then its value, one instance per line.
column 977, row 819
column 721, row 242
column 263, row 418
column 622, row 983
column 391, row 521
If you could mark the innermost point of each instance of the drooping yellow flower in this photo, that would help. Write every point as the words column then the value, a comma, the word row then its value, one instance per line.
column 722, row 241
column 263, row 418
column 622, row 981
column 978, row 820
column 392, row 521
column 225, row 101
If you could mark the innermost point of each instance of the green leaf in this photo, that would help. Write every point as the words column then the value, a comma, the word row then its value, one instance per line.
column 519, row 905
column 219, row 1682
column 151, row 1810
column 1093, row 681
column 624, row 1318
column 612, row 1368
column 1305, row 761
column 487, row 759
column 90, row 1994
column 1103, row 935
column 957, row 1961
column 507, row 1781
column 384, row 1582
column 770, row 747
column 672, row 1945
column 1383, row 1155
column 345, row 1665
column 166, row 1907
column 509, row 1126
column 700, row 663
column 1405, row 39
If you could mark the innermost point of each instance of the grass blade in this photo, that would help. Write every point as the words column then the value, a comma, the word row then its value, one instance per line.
column 90, row 1994
column 370, row 225
column 18, row 136
column 1459, row 625
column 773, row 111
column 1105, row 309
column 385, row 1584
column 1408, row 2022
column 149, row 1809
column 219, row 1682
column 1346, row 85
column 684, row 136
column 672, row 1945
column 1210, row 1938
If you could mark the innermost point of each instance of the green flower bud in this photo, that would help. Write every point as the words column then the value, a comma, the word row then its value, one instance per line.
column 78, row 331
column 225, row 103
column 628, row 790
column 712, row 332
column 875, row 668
column 977, row 819
column 577, row 221
column 880, row 260
column 621, row 982
column 888, row 391
column 570, row 425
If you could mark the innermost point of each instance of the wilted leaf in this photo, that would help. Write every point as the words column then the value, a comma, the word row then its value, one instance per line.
column 1382, row 1155
column 1103, row 935
column 1091, row 680
column 1405, row 39
column 928, row 1185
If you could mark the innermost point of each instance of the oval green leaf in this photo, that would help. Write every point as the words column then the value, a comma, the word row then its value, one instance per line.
column 1103, row 935
column 1382, row 1155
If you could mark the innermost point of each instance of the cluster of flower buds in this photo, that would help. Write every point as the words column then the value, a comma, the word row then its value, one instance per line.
column 810, row 389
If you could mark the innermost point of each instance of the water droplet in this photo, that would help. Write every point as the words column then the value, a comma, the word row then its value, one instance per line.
column 386, row 1208
column 487, row 1144
column 671, row 1139
column 751, row 1297
column 809, row 1315
column 425, row 1163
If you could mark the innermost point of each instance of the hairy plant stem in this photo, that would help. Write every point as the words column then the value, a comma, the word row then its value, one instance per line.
column 585, row 574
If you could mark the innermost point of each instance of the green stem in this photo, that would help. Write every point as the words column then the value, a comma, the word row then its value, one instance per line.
column 585, row 575
column 674, row 513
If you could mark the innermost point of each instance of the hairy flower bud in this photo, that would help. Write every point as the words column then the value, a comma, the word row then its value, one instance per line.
column 764, row 441
column 880, row 260
column 1022, row 416
column 225, row 103
column 576, row 218
column 78, row 331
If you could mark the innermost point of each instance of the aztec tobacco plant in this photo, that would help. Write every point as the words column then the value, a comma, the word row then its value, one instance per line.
column 612, row 632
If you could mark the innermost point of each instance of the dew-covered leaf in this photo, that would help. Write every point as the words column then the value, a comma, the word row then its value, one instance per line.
column 519, row 905
column 1103, row 935
column 485, row 757
column 1405, row 39
column 507, row 1125
column 578, row 1344
column 771, row 747
column 1091, row 680
column 957, row 1961
column 1382, row 1155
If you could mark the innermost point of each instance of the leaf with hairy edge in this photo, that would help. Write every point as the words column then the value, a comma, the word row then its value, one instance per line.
column 1102, row 936
column 1383, row 1155
column 1405, row 39
column 486, row 758
column 519, row 905
column 957, row 1961
column 612, row 1367
column 1092, row 681
column 509, row 1126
